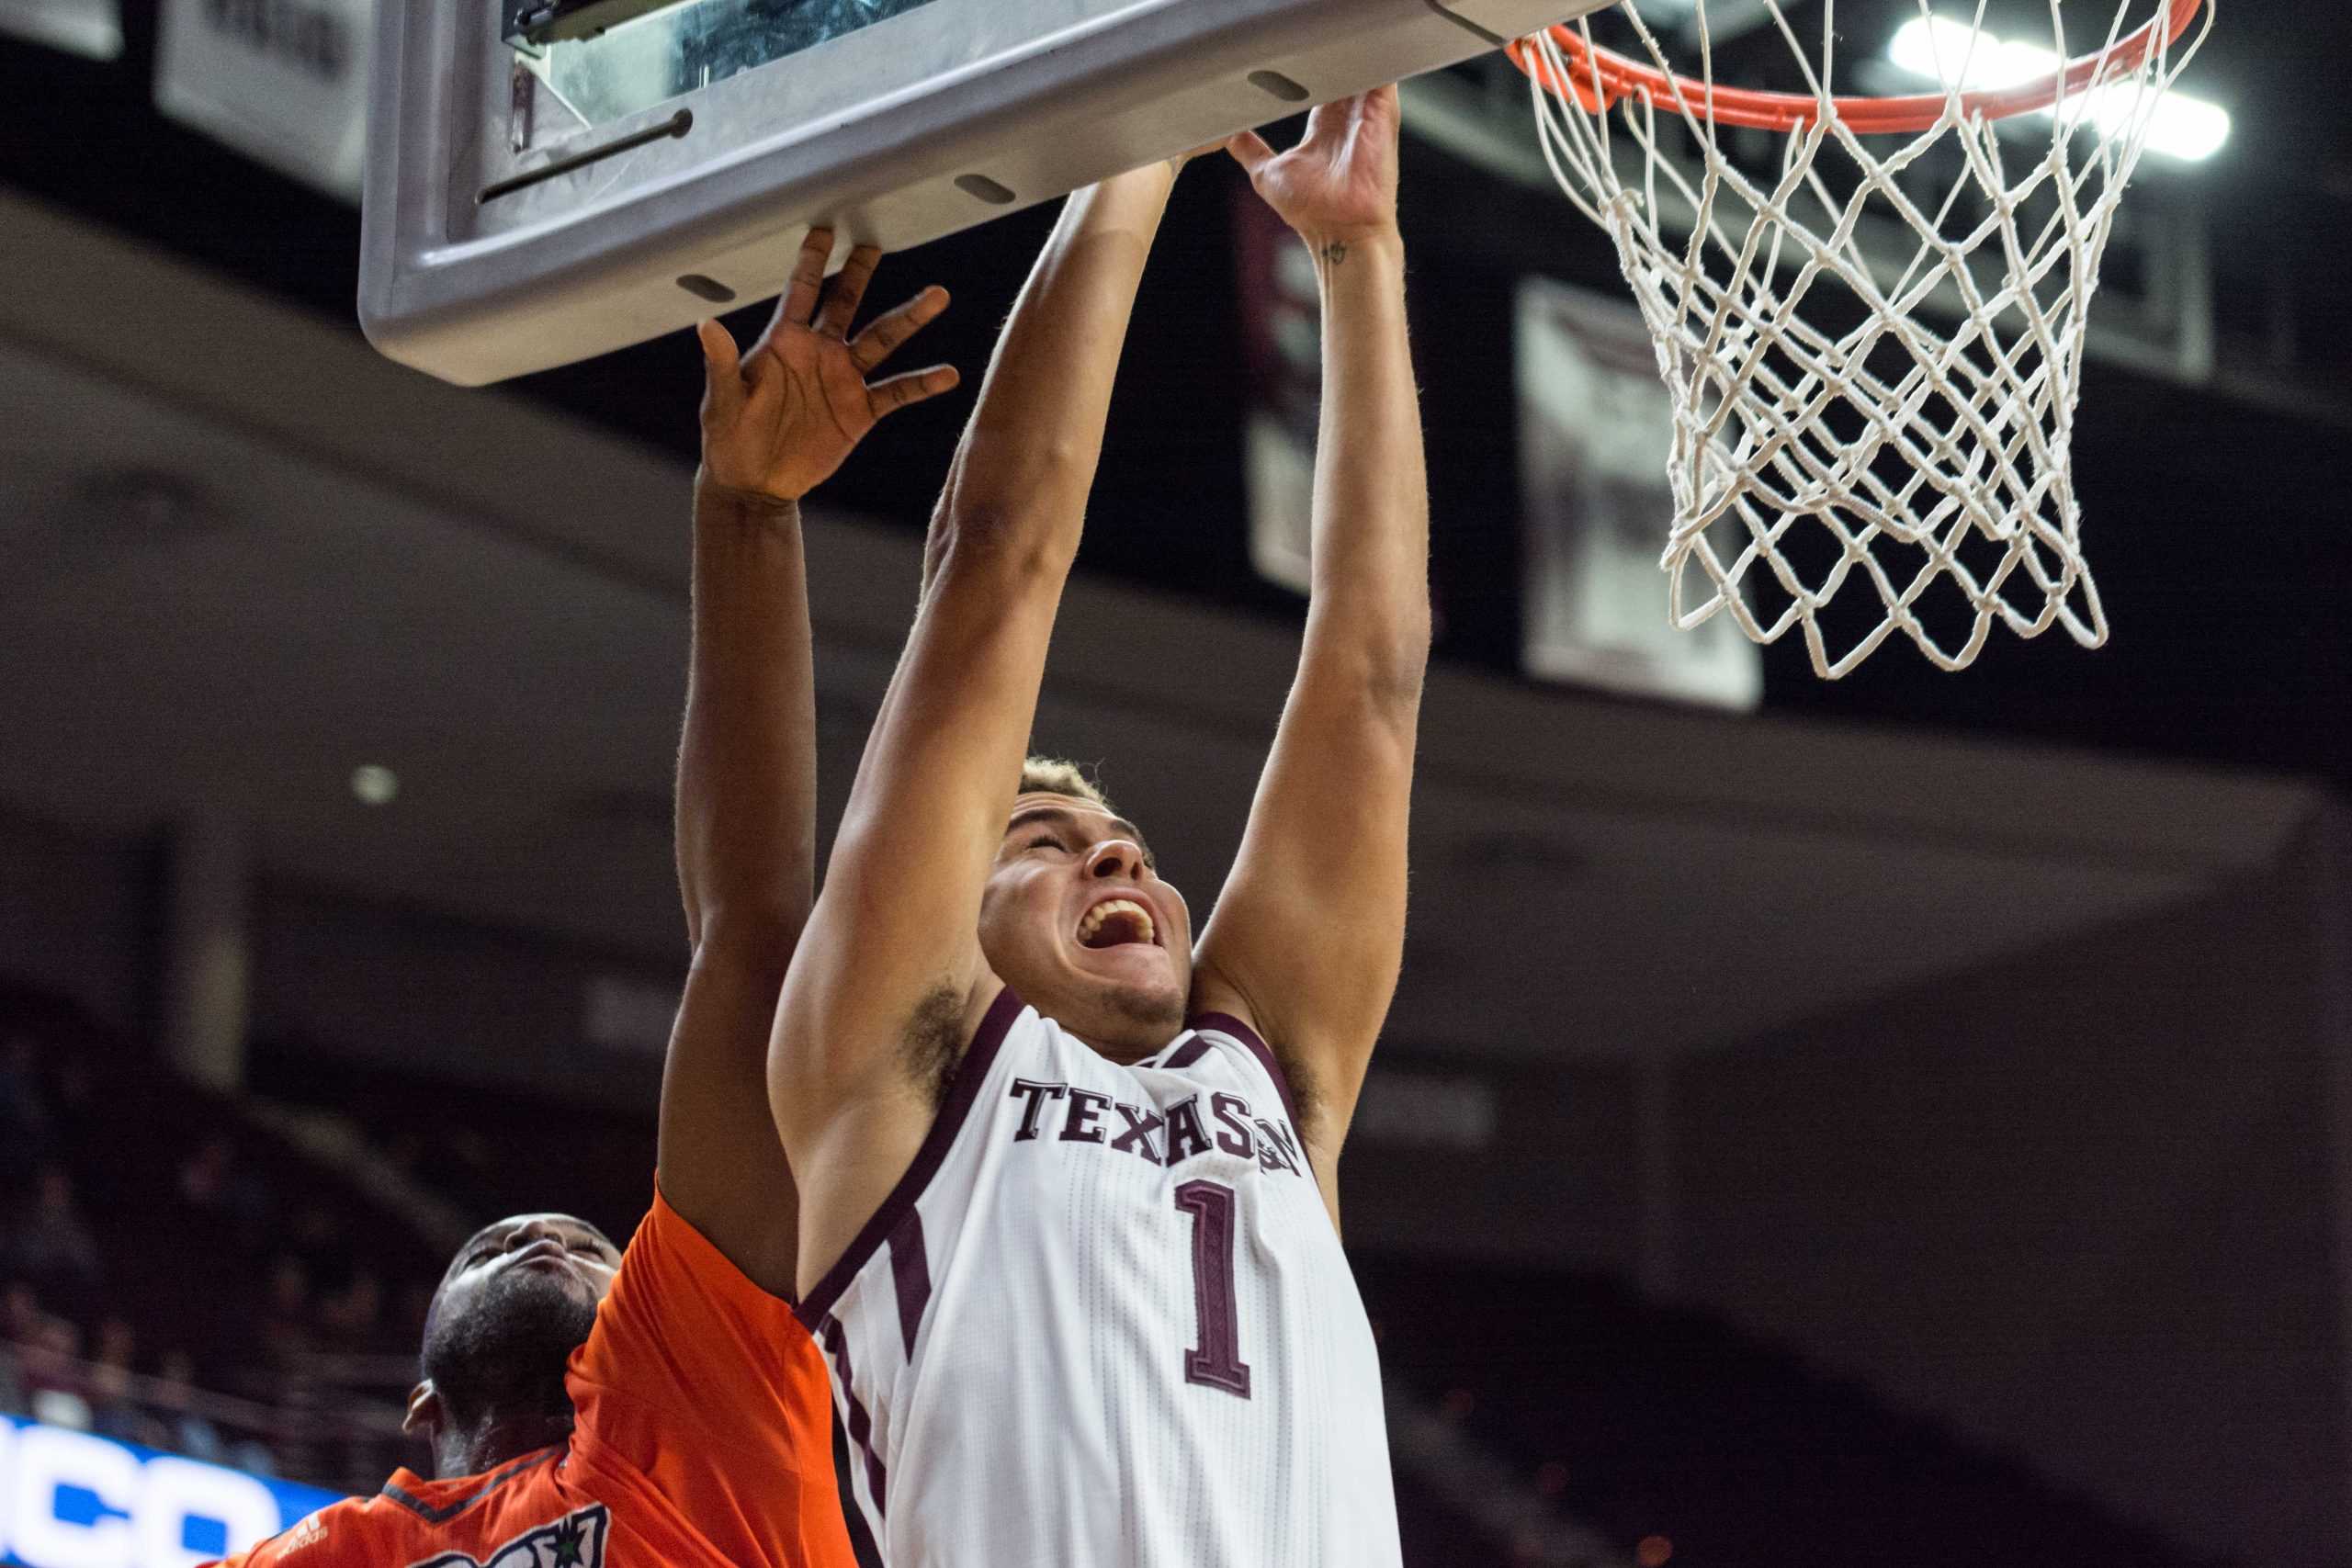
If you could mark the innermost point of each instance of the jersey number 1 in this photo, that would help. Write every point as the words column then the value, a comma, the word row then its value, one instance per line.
column 1216, row 1361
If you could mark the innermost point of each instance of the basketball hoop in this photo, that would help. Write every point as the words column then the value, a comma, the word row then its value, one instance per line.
column 1821, row 418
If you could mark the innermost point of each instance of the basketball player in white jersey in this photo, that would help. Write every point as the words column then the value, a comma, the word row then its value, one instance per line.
column 1068, row 1201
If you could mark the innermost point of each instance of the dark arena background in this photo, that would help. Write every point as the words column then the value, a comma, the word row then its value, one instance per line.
column 1899, row 1121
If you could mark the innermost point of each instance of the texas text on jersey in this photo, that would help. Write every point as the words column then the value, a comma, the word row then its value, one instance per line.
column 1106, row 1304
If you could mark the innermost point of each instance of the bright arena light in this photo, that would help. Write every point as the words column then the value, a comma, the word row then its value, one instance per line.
column 374, row 783
column 2189, row 129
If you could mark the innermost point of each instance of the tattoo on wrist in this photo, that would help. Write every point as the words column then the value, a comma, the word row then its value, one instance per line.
column 1335, row 253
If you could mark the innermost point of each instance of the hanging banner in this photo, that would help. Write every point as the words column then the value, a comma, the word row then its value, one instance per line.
column 92, row 28
column 1595, row 428
column 284, row 82
column 1281, row 331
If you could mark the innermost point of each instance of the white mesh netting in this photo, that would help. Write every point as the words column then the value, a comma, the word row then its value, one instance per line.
column 1839, row 414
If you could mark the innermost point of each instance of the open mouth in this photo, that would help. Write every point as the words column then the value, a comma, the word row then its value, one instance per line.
column 1117, row 923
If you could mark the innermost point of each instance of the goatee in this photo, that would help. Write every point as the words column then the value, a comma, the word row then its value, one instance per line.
column 505, row 1354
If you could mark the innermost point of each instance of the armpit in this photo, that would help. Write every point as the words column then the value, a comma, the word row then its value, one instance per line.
column 934, row 1043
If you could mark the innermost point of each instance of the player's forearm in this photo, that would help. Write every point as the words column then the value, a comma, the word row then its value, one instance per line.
column 1021, row 478
column 1370, row 576
column 747, row 767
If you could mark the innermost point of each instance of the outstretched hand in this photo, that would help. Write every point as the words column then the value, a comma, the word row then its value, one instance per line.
column 778, row 421
column 1338, row 187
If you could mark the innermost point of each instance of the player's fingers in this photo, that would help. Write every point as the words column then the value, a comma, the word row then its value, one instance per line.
column 914, row 386
column 1329, row 122
column 884, row 335
column 848, row 291
column 723, row 369
column 799, row 302
column 719, row 350
column 1250, row 150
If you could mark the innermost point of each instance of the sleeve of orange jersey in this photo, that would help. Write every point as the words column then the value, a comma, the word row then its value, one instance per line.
column 709, row 1388
column 341, row 1535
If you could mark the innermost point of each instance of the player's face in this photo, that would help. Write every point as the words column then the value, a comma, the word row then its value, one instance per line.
column 525, row 1257
column 518, row 1299
column 1077, row 920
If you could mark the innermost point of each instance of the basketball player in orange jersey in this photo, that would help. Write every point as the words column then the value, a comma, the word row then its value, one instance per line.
column 1069, row 1212
column 661, row 1405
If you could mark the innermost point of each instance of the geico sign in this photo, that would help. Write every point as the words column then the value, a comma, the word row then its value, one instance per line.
column 69, row 1500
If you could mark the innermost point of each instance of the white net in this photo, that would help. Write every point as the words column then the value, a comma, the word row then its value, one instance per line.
column 1841, row 413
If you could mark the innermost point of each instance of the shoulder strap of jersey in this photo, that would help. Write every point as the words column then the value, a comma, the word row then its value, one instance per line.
column 1232, row 1028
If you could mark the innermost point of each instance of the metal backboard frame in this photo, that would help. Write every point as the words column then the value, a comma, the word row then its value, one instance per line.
column 504, row 234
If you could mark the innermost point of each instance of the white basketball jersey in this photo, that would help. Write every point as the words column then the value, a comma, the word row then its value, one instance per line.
column 1104, row 1321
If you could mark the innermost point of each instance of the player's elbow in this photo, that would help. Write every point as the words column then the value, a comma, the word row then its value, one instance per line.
column 996, row 544
column 1398, row 663
column 1380, row 660
column 1017, row 512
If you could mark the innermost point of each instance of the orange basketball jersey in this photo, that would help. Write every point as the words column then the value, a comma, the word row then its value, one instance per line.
column 704, row 1441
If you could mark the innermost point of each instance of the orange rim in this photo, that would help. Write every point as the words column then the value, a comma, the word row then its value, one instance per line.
column 1599, row 78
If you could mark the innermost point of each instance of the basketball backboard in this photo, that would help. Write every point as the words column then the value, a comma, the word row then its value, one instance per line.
column 552, row 179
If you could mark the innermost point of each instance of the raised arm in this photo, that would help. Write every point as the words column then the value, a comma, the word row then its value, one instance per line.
column 775, row 424
column 889, row 980
column 1308, row 937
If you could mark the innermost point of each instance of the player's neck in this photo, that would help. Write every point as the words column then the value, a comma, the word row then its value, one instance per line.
column 1118, row 1033
column 1126, row 1053
column 495, row 1440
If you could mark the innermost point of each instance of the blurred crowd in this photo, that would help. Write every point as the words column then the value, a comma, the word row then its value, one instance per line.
column 174, row 1273
column 174, row 1278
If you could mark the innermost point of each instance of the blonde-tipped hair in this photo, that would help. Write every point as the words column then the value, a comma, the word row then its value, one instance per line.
column 1051, row 775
